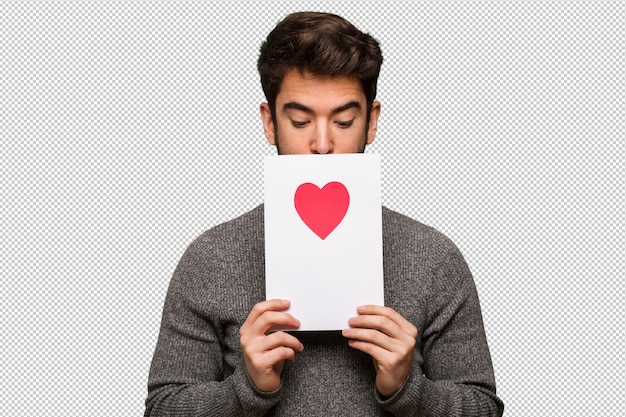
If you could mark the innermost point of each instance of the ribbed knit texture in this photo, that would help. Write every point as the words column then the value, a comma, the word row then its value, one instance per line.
column 198, row 370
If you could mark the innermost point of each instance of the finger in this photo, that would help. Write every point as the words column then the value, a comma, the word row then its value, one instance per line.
column 380, row 324
column 372, row 337
column 270, row 350
column 392, row 315
column 269, row 305
column 262, row 307
column 271, row 359
column 257, row 332
column 278, row 340
column 271, row 321
column 373, row 350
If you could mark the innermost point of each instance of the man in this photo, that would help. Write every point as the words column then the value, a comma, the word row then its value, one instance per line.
column 424, row 354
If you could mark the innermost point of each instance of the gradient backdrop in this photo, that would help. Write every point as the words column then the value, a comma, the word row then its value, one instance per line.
column 129, row 127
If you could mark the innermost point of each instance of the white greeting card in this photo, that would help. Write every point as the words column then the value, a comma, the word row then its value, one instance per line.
column 323, row 236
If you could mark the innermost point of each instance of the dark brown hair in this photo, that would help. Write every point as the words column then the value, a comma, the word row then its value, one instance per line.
column 322, row 44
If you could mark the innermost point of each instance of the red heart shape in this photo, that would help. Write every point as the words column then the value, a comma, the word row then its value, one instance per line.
column 322, row 209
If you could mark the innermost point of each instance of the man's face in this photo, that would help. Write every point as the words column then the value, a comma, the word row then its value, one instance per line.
column 320, row 115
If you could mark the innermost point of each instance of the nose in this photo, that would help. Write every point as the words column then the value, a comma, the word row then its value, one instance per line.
column 322, row 143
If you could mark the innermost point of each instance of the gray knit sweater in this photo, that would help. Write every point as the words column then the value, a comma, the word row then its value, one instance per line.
column 198, row 369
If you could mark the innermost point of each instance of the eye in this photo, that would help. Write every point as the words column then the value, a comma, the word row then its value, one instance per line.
column 345, row 124
column 299, row 124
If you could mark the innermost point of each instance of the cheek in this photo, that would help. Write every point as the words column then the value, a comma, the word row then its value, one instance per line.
column 355, row 139
column 289, row 140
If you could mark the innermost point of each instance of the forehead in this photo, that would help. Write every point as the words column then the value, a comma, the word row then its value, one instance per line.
column 319, row 91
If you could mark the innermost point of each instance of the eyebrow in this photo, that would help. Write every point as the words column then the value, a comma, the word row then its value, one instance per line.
column 293, row 105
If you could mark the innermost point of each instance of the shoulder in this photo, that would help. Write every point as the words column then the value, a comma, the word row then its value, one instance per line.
column 241, row 235
column 403, row 231
column 224, row 259
column 244, row 228
column 409, row 245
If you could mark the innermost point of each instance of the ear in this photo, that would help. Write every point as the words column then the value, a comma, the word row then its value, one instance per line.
column 373, row 124
column 268, row 123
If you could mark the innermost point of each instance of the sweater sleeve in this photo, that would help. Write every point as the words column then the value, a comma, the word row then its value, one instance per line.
column 452, row 373
column 188, row 376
